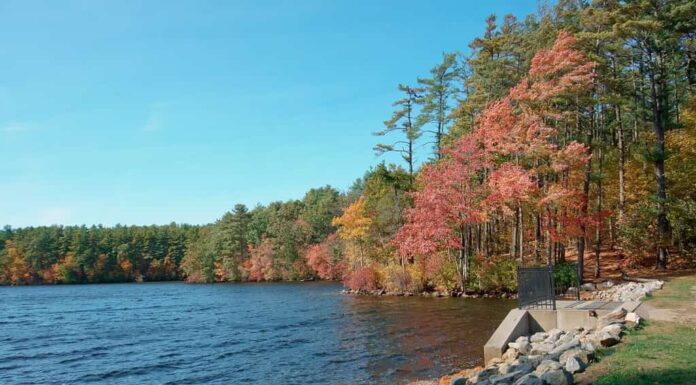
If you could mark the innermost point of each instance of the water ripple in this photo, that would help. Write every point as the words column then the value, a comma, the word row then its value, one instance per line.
column 175, row 334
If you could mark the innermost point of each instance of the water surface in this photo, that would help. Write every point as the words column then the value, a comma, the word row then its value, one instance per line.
column 277, row 333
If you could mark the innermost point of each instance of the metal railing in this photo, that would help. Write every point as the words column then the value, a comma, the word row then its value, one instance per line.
column 536, row 288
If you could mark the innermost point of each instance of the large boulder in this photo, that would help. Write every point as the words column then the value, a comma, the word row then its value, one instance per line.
column 558, row 350
column 541, row 348
column 522, row 338
column 632, row 320
column 504, row 379
column 528, row 379
column 579, row 353
column 516, row 366
column 574, row 365
column 510, row 355
column 506, row 368
column 607, row 339
column 557, row 377
column 615, row 317
column 538, row 337
column 614, row 329
column 483, row 375
column 534, row 361
column 547, row 365
column 590, row 342
column 522, row 346
column 554, row 335
column 569, row 336
column 459, row 381
column 494, row 361
column 525, row 368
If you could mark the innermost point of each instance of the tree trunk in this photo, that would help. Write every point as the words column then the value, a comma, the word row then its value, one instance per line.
column 657, row 91
column 520, row 237
column 549, row 245
column 598, row 231
column 463, row 260
column 410, row 162
column 537, row 237
column 583, row 213
column 622, row 160
column 513, row 244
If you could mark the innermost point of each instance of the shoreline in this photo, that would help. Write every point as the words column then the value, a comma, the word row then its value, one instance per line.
column 345, row 291
column 432, row 294
column 556, row 356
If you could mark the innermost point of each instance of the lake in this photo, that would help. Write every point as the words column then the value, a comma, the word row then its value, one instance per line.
column 266, row 333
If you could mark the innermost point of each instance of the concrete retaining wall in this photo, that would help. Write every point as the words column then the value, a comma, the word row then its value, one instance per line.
column 520, row 322
column 515, row 324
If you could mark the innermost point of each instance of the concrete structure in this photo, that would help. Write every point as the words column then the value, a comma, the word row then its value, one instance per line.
column 568, row 315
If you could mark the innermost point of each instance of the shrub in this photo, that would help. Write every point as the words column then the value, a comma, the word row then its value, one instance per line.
column 397, row 279
column 363, row 279
column 441, row 272
column 565, row 275
column 418, row 282
column 495, row 273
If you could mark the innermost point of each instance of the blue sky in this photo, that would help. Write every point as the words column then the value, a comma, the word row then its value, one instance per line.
column 148, row 112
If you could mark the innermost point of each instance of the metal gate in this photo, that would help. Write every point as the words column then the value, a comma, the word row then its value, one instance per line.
column 535, row 288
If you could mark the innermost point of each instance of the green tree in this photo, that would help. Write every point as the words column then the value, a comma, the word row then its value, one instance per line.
column 403, row 121
column 439, row 92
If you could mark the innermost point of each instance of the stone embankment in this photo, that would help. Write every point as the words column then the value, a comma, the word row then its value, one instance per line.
column 556, row 356
column 624, row 292
column 547, row 358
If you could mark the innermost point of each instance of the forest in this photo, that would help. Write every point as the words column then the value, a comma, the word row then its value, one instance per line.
column 560, row 135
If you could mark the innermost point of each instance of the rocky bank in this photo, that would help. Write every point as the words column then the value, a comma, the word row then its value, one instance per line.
column 556, row 356
column 547, row 358
column 624, row 292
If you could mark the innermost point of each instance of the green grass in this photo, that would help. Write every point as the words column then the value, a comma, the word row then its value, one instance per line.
column 660, row 352
column 675, row 293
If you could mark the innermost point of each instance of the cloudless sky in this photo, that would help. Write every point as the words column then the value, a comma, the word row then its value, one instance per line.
column 148, row 112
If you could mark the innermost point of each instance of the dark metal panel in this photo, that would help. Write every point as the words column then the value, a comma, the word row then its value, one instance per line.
column 536, row 288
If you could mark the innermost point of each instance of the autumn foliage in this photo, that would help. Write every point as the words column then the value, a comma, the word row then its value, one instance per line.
column 513, row 160
column 546, row 144
column 325, row 260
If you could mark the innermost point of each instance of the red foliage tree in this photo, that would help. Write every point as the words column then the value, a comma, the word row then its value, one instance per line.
column 363, row 279
column 512, row 158
column 322, row 259
column 445, row 207
column 259, row 266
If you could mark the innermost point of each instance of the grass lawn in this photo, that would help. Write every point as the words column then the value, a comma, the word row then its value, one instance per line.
column 675, row 294
column 661, row 352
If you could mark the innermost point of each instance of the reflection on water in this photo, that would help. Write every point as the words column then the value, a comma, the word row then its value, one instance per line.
column 174, row 333
column 426, row 337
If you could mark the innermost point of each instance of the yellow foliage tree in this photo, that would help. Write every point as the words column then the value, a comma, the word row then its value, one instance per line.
column 681, row 144
column 354, row 227
column 16, row 270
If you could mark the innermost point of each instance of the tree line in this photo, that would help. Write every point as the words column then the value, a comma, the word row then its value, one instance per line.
column 562, row 134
